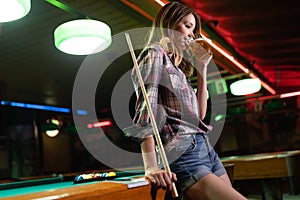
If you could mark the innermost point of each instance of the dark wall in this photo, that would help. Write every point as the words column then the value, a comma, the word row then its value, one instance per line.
column 25, row 149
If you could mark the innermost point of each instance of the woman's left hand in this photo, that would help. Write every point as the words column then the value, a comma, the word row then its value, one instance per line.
column 161, row 179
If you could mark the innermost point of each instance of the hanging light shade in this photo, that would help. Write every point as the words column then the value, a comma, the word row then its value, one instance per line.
column 52, row 133
column 82, row 37
column 245, row 86
column 11, row 10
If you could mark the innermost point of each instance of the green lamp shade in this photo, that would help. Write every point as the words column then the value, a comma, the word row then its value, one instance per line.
column 245, row 86
column 11, row 10
column 82, row 37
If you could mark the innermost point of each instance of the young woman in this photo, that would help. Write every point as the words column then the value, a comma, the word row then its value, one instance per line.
column 165, row 65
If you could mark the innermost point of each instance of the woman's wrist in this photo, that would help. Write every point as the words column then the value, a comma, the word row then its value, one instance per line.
column 150, row 162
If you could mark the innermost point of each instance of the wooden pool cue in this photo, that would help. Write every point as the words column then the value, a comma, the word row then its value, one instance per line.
column 153, row 123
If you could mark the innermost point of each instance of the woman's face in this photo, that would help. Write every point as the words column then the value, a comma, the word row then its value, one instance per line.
column 186, row 27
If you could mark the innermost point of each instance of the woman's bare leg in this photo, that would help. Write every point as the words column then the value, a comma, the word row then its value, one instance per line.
column 213, row 188
column 226, row 179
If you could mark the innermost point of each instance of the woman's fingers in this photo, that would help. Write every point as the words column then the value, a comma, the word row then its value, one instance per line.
column 164, row 180
column 161, row 179
column 174, row 177
column 151, row 178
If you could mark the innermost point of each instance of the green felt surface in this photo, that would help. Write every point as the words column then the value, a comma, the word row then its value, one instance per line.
column 35, row 188
column 39, row 185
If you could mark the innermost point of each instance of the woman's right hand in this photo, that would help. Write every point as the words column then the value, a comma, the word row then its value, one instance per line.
column 161, row 179
column 201, row 51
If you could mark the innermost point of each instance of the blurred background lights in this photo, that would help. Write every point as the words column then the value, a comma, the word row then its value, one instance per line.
column 82, row 37
column 220, row 117
column 11, row 10
column 52, row 133
column 245, row 86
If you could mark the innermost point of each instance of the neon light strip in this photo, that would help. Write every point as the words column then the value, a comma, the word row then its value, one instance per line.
column 220, row 50
column 81, row 112
column 291, row 94
column 262, row 98
column 41, row 107
column 281, row 96
column 239, row 65
column 135, row 7
column 35, row 106
column 161, row 3
column 99, row 124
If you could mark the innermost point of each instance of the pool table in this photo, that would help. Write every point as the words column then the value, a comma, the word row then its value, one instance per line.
column 268, row 167
column 62, row 187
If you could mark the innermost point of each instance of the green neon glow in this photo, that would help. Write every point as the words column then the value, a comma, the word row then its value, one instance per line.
column 219, row 117
column 82, row 37
column 245, row 86
column 11, row 10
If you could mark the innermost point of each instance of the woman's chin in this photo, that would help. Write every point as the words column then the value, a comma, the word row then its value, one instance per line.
column 183, row 45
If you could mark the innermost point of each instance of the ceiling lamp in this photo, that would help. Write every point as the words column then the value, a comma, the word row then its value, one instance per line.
column 245, row 86
column 82, row 37
column 11, row 10
column 52, row 133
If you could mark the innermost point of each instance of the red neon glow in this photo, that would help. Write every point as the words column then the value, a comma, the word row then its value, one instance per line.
column 138, row 9
column 215, row 46
column 291, row 94
column 161, row 3
column 100, row 124
column 239, row 65
column 263, row 98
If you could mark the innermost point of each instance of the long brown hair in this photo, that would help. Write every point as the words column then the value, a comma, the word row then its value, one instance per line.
column 163, row 32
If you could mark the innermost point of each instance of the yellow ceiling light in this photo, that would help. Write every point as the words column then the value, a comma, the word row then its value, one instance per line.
column 82, row 37
column 245, row 86
column 11, row 10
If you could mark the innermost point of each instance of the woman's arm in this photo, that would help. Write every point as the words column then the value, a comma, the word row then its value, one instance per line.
column 202, row 91
column 149, row 155
column 160, row 178
column 201, row 58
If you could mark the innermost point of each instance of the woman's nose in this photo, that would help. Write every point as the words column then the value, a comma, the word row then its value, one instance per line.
column 191, row 35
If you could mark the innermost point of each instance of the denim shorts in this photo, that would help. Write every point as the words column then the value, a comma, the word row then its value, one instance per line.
column 197, row 161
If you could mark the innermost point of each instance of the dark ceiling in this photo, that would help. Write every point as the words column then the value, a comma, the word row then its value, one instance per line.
column 263, row 35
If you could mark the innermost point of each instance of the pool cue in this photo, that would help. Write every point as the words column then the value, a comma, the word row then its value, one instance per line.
column 154, row 126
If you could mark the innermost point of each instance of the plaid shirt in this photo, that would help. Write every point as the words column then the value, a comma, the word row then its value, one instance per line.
column 172, row 99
